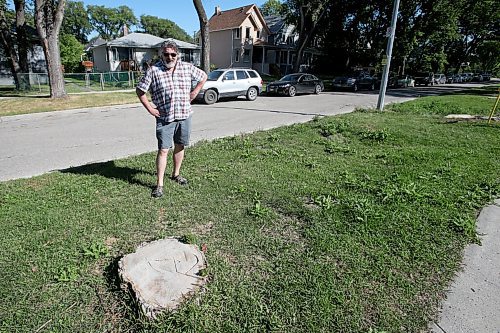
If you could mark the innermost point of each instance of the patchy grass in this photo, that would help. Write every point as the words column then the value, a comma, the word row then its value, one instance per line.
column 33, row 104
column 353, row 223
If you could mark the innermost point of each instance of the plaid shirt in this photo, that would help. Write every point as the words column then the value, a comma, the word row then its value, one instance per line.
column 170, row 90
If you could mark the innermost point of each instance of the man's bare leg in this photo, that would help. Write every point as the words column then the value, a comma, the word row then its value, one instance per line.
column 161, row 165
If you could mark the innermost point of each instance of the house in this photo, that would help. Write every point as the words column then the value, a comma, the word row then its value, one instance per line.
column 233, row 34
column 242, row 37
column 36, row 60
column 135, row 51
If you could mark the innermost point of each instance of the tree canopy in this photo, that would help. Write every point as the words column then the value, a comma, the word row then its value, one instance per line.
column 108, row 22
column 271, row 7
column 163, row 28
column 76, row 21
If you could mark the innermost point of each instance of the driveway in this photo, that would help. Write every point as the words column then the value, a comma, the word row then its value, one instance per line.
column 39, row 143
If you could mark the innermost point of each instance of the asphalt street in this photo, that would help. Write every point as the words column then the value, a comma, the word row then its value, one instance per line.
column 38, row 143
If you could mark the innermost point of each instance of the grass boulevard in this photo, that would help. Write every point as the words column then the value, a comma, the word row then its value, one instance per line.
column 352, row 223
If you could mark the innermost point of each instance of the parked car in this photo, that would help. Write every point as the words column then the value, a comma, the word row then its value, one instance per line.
column 439, row 79
column 459, row 78
column 466, row 77
column 297, row 83
column 450, row 78
column 486, row 76
column 405, row 81
column 354, row 81
column 392, row 80
column 424, row 78
column 231, row 82
column 477, row 77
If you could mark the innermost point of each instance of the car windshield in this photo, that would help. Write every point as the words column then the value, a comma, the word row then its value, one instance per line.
column 213, row 76
column 290, row 77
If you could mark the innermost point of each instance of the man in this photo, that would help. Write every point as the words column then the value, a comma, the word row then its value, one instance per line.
column 170, row 81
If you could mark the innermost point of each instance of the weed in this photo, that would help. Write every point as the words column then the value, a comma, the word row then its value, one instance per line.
column 95, row 250
column 67, row 274
column 378, row 136
column 258, row 210
column 324, row 201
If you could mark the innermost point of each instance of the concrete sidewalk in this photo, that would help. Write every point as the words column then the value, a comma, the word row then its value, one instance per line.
column 473, row 302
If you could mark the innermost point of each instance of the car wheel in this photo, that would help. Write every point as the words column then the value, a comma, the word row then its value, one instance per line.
column 317, row 89
column 355, row 88
column 252, row 94
column 292, row 91
column 210, row 96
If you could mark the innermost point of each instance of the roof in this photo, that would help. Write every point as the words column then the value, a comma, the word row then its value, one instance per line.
column 142, row 40
column 136, row 39
column 94, row 42
column 274, row 22
column 233, row 18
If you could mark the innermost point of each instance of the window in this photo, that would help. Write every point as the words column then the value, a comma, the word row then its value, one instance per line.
column 229, row 75
column 247, row 35
column 283, row 58
column 187, row 56
column 258, row 33
column 236, row 33
column 236, row 55
column 252, row 74
column 246, row 56
column 241, row 75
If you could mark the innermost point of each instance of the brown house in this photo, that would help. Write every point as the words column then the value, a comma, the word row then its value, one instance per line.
column 233, row 36
column 242, row 37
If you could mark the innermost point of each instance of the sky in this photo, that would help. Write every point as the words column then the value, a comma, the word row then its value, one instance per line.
column 181, row 12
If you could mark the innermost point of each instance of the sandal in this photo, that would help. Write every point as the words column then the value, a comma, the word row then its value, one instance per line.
column 157, row 192
column 179, row 180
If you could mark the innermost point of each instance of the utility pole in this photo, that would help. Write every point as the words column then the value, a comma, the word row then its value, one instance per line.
column 387, row 59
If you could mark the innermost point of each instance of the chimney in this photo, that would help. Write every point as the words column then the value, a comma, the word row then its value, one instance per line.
column 217, row 10
column 124, row 30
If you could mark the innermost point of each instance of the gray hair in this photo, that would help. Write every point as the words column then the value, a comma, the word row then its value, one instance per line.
column 169, row 44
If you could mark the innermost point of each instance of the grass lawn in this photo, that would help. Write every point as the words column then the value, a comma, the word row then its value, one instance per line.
column 33, row 104
column 354, row 223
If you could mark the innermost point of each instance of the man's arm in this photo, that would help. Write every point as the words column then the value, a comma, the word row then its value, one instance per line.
column 198, row 87
column 145, row 102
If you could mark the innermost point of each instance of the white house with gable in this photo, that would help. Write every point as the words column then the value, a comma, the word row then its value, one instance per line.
column 134, row 51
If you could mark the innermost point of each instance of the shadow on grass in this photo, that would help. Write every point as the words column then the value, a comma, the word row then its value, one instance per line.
column 112, row 171
column 123, row 295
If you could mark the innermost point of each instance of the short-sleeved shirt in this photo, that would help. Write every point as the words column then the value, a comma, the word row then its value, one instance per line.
column 170, row 90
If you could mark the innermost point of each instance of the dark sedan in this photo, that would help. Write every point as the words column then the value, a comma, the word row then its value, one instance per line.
column 354, row 81
column 297, row 83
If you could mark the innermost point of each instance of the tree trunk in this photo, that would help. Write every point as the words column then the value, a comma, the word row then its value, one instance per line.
column 54, row 68
column 8, row 46
column 22, row 45
column 308, row 26
column 205, row 36
column 48, row 24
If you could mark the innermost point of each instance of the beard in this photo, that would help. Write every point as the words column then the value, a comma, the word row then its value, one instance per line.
column 170, row 64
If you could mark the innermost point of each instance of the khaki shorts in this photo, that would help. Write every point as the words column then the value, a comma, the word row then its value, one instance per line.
column 176, row 132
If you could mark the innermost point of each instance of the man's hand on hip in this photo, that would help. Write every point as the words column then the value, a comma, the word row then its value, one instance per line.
column 154, row 112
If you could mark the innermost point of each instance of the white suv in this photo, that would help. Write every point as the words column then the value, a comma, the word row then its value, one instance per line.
column 231, row 82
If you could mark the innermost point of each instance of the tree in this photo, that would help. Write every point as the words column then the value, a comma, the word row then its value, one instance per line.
column 16, row 45
column 305, row 15
column 76, row 21
column 22, row 44
column 271, row 7
column 71, row 51
column 108, row 21
column 48, row 17
column 163, row 28
column 8, row 43
column 488, row 54
column 205, row 36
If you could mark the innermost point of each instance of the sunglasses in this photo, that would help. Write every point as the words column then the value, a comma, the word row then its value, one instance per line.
column 172, row 55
